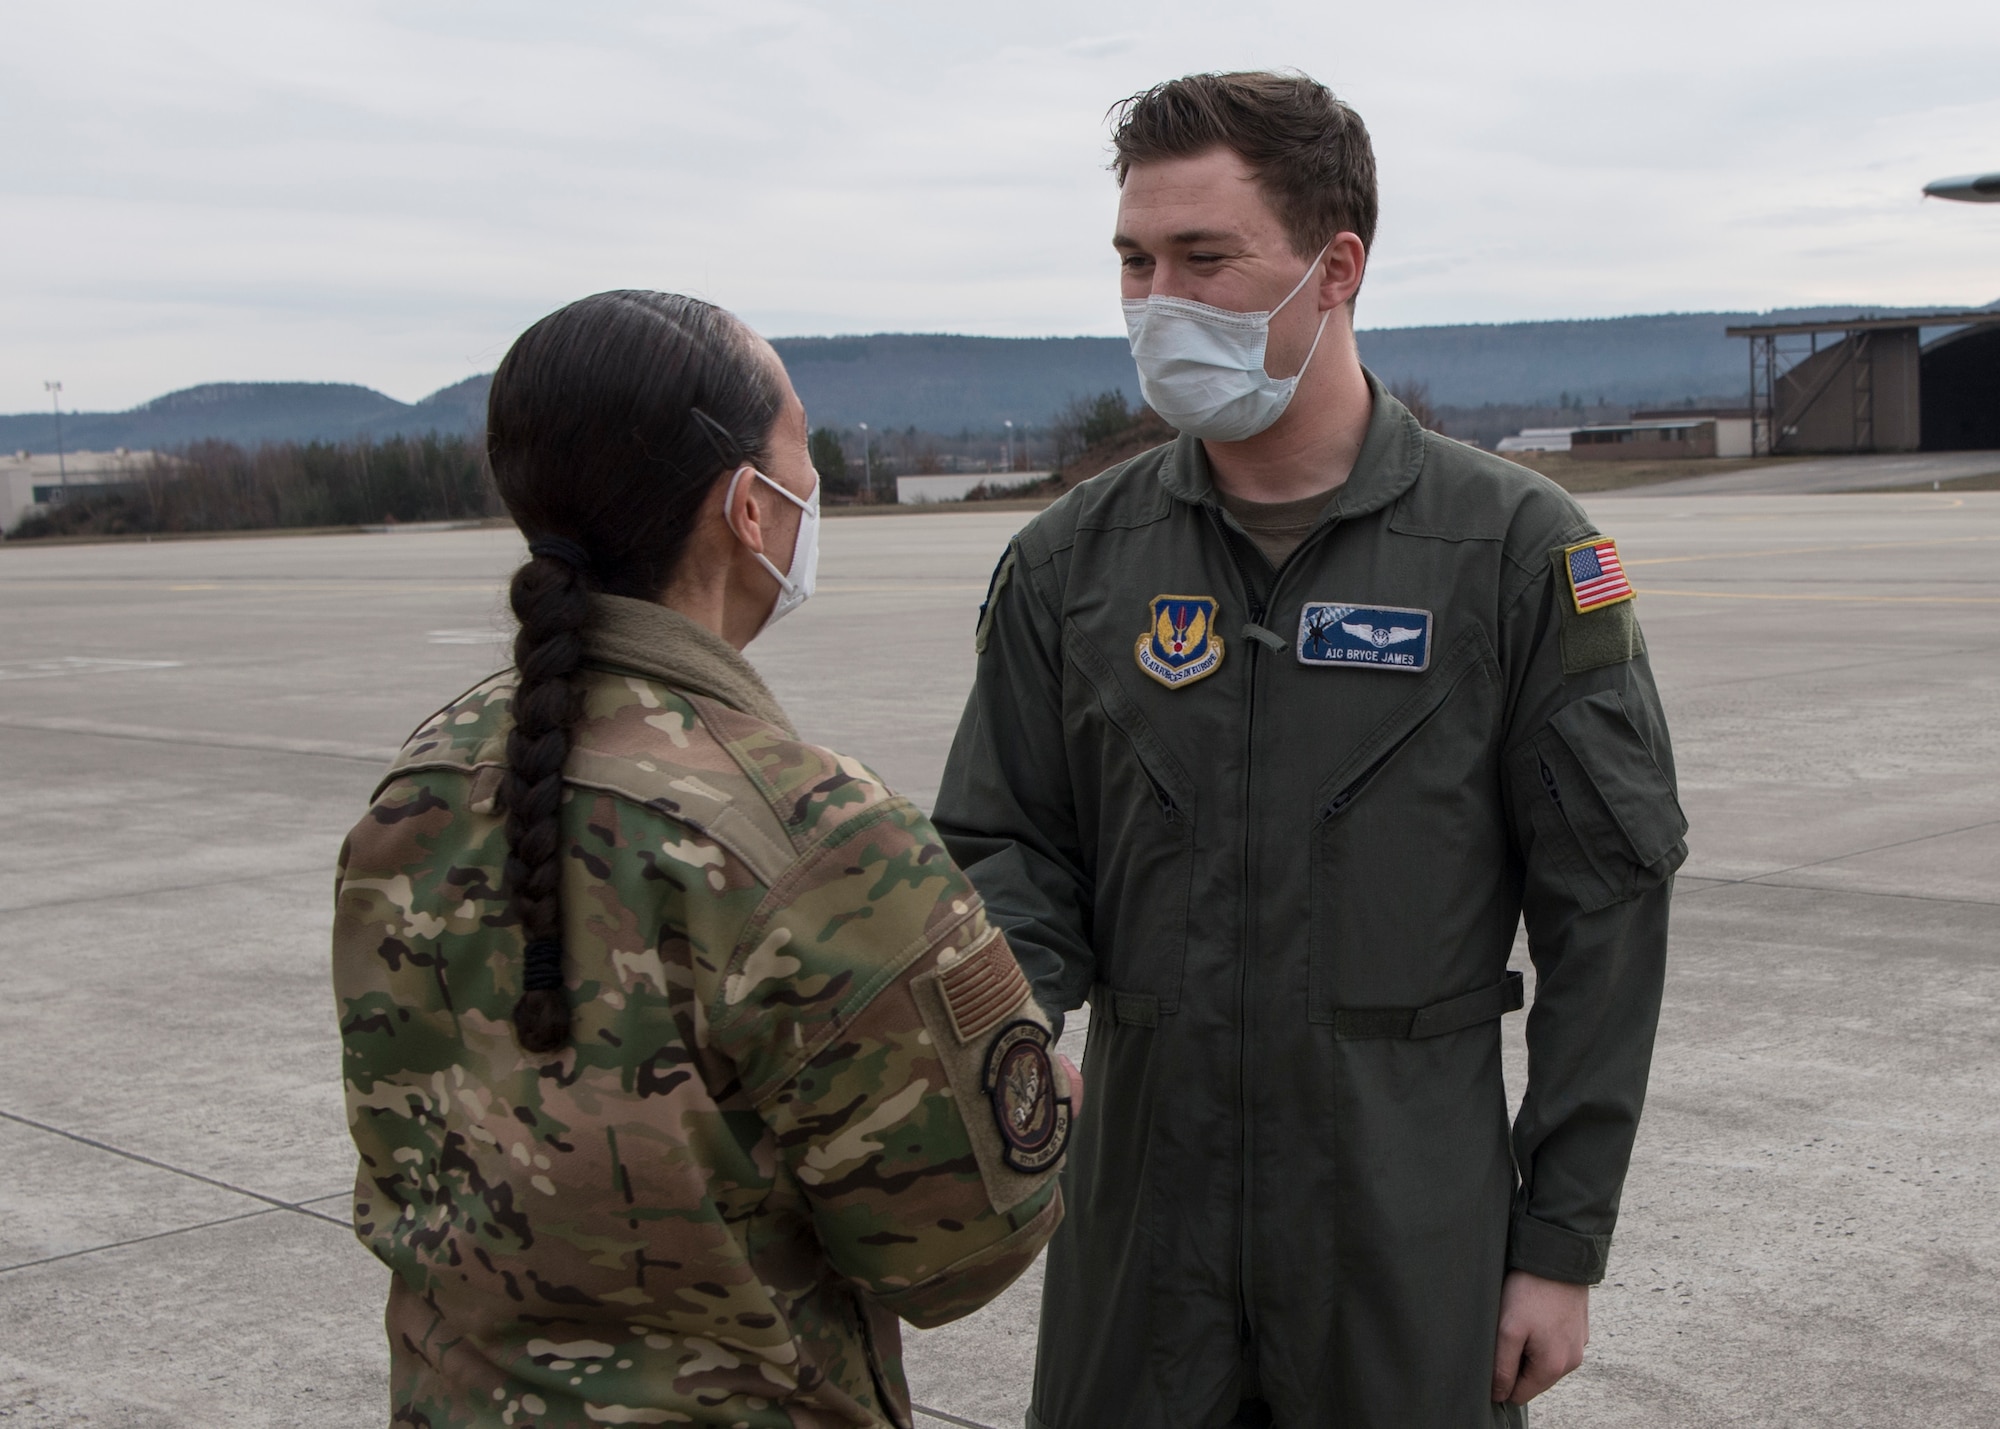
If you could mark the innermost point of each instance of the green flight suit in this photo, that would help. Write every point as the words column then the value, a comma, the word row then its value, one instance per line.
column 1289, row 892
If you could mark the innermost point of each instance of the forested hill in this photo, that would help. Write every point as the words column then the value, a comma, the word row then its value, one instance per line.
column 250, row 413
column 948, row 384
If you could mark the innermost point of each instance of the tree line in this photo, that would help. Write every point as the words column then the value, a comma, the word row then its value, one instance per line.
column 223, row 486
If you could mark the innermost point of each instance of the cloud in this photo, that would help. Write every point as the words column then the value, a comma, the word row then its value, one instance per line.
column 386, row 193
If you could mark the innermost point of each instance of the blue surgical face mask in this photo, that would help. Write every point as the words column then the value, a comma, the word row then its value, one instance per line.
column 1202, row 368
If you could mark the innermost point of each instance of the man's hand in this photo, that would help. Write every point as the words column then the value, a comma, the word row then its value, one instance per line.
column 1075, row 1085
column 1544, row 1325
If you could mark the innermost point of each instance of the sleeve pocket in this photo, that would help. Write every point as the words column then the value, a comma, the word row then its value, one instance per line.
column 1604, row 812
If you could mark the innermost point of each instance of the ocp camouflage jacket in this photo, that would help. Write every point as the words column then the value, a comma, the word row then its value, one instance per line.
column 770, row 1135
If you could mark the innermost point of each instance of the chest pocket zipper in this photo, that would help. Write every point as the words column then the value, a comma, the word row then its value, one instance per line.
column 1452, row 670
column 1338, row 804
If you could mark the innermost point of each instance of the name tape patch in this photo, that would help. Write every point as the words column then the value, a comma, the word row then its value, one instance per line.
column 1382, row 637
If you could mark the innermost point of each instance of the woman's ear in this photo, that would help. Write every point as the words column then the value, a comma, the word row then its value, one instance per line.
column 741, row 509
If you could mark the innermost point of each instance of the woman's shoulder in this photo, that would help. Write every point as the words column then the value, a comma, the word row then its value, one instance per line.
column 758, row 790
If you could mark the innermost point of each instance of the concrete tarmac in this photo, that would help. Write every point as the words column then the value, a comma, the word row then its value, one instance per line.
column 189, row 729
column 1824, row 476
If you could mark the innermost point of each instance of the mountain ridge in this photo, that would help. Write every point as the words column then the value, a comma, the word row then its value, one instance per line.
column 945, row 383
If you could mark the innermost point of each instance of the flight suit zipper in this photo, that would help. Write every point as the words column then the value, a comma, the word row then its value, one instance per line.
column 1257, row 604
column 1254, row 606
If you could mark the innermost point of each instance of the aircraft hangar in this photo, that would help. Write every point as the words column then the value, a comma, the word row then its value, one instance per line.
column 1875, row 384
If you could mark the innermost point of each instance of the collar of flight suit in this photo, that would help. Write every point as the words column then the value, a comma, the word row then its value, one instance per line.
column 661, row 643
column 1391, row 455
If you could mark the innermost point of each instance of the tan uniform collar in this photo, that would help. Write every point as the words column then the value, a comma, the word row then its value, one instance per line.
column 663, row 644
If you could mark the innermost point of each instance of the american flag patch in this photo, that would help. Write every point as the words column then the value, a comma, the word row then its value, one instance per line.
column 982, row 988
column 1596, row 576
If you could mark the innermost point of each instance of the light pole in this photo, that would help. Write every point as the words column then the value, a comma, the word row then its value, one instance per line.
column 1008, row 423
column 62, row 465
column 867, row 471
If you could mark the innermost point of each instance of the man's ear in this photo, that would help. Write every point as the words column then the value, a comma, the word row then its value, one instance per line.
column 1341, row 270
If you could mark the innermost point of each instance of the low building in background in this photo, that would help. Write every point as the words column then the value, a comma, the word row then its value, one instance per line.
column 1733, row 426
column 917, row 490
column 32, row 481
column 1536, row 439
column 1656, row 437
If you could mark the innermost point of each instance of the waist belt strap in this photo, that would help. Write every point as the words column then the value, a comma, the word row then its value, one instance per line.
column 1353, row 1024
column 1134, row 1009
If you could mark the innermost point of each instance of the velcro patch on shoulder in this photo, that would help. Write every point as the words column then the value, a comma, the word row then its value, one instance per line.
column 1606, row 634
column 981, row 987
column 1006, row 1093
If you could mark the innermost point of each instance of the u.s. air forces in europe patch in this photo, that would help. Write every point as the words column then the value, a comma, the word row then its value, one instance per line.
column 1383, row 637
column 1180, row 645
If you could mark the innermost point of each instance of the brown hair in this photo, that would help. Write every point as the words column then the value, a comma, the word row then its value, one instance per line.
column 607, row 425
column 1309, row 152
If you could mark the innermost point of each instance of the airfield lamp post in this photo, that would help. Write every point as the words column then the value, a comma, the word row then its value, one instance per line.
column 62, row 464
column 867, row 471
column 1009, row 425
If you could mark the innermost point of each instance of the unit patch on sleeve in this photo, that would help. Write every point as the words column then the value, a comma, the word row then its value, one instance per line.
column 1596, row 575
column 1180, row 645
column 1386, row 637
column 1021, row 1083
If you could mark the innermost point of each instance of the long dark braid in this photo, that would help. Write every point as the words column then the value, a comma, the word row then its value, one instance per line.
column 551, row 599
column 607, row 424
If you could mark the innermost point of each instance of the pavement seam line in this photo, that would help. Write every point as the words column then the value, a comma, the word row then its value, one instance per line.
column 1669, row 593
column 944, row 1418
column 316, row 748
column 1764, row 882
column 276, row 1203
column 1837, row 858
column 1808, row 550
column 1801, row 674
column 138, row 1240
column 314, row 871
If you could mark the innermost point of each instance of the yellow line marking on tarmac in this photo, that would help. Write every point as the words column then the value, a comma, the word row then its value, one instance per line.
column 1809, row 550
column 1843, row 599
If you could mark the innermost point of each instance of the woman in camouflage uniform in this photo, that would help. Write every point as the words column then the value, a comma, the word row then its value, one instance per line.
column 681, row 1059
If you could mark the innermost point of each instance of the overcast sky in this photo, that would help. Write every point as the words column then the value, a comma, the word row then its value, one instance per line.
column 386, row 194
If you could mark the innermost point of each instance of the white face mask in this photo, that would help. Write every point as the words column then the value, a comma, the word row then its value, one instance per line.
column 795, row 587
column 1202, row 368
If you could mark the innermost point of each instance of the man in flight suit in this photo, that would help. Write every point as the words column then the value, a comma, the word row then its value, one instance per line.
column 1279, row 733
